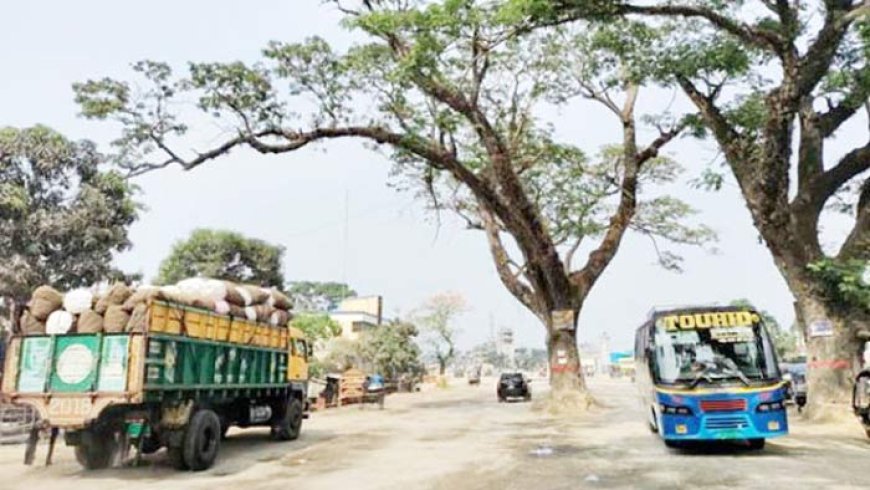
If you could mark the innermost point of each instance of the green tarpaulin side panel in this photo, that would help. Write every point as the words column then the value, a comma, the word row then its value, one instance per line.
column 113, row 363
column 35, row 362
column 75, row 363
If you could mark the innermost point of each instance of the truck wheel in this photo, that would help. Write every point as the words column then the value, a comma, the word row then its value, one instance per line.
column 202, row 440
column 176, row 458
column 288, row 427
column 96, row 450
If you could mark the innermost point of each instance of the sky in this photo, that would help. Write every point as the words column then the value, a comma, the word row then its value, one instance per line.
column 331, row 208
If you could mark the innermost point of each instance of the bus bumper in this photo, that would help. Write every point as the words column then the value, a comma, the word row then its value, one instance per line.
column 724, row 426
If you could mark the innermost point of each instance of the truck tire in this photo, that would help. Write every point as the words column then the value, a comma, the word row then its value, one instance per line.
column 96, row 450
column 289, row 426
column 202, row 439
column 756, row 444
column 176, row 458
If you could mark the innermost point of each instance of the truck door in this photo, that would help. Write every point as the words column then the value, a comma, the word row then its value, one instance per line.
column 298, row 369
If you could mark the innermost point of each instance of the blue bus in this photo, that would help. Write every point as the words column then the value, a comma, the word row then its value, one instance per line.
column 710, row 374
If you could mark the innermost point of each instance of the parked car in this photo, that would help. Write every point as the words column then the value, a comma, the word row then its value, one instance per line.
column 513, row 385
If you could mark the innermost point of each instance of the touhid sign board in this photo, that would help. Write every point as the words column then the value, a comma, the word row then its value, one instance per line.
column 691, row 321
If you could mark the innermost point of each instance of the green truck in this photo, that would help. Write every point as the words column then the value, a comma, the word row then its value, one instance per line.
column 180, row 384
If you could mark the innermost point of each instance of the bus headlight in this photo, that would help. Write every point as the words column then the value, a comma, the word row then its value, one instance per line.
column 770, row 406
column 675, row 410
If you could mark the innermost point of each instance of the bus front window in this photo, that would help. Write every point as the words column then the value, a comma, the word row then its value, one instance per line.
column 715, row 355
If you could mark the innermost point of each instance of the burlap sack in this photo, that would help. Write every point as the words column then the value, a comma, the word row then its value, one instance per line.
column 118, row 294
column 141, row 296
column 237, row 311
column 116, row 319
column 251, row 313
column 222, row 307
column 279, row 318
column 45, row 301
column 30, row 325
column 138, row 319
column 258, row 295
column 264, row 312
column 237, row 295
column 280, row 300
column 174, row 295
column 90, row 322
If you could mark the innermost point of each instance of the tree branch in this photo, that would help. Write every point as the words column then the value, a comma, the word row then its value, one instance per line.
column 850, row 166
column 857, row 244
column 522, row 292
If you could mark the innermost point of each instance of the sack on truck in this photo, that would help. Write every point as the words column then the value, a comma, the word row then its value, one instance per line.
column 30, row 325
column 138, row 318
column 89, row 322
column 116, row 295
column 45, row 301
column 116, row 319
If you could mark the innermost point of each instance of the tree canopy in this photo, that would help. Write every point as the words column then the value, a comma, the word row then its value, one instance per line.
column 453, row 94
column 63, row 212
column 436, row 317
column 222, row 254
column 391, row 349
column 774, row 83
column 318, row 296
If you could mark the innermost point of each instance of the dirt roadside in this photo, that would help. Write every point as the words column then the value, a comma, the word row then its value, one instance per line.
column 463, row 438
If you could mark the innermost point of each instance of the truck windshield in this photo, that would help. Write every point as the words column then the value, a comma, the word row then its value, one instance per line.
column 713, row 354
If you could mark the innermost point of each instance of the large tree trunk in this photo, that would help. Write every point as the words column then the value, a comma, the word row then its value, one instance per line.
column 565, row 372
column 834, row 360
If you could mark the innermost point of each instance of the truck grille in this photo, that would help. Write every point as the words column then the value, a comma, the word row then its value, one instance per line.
column 725, row 405
column 721, row 423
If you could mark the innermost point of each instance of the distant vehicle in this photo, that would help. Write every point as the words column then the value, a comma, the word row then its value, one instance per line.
column 710, row 373
column 861, row 399
column 513, row 385
column 474, row 375
column 795, row 377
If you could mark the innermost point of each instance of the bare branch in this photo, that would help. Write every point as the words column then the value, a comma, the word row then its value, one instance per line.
column 522, row 292
column 857, row 244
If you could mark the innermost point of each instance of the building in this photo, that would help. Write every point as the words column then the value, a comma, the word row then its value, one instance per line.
column 357, row 315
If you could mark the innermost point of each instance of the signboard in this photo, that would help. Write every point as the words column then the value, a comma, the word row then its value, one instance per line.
column 113, row 363
column 821, row 328
column 691, row 321
column 563, row 320
column 35, row 359
column 75, row 365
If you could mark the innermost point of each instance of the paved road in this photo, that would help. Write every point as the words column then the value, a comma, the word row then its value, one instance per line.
column 462, row 438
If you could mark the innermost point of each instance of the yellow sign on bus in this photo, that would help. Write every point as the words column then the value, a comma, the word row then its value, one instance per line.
column 709, row 320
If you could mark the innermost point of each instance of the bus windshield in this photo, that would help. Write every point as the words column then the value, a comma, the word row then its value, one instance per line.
column 713, row 354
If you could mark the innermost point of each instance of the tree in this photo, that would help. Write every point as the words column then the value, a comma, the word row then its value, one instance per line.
column 63, row 214
column 319, row 329
column 455, row 96
column 784, row 340
column 391, row 349
column 435, row 318
column 774, row 82
column 318, row 296
column 224, row 255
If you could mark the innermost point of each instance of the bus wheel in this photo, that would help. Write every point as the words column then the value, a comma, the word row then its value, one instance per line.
column 202, row 440
column 96, row 450
column 756, row 444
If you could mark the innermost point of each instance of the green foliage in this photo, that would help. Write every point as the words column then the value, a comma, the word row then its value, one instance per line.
column 391, row 349
column 318, row 296
column 224, row 255
column 844, row 283
column 318, row 328
column 63, row 212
